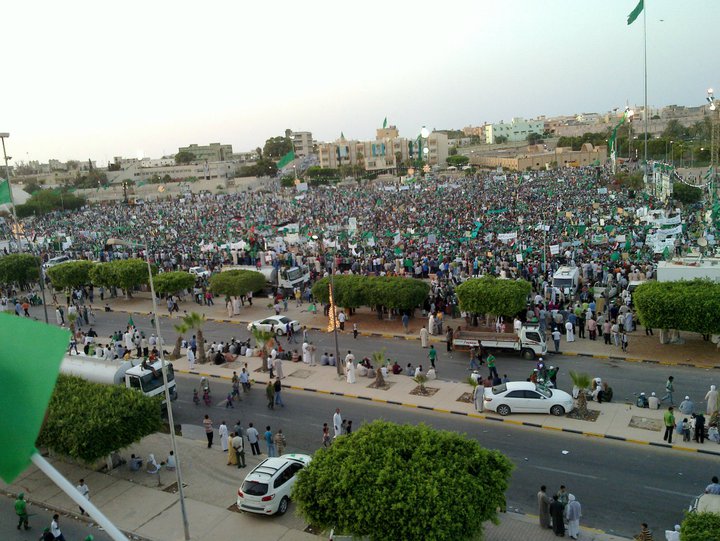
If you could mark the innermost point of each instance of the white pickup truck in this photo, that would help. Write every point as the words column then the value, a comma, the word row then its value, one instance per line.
column 530, row 342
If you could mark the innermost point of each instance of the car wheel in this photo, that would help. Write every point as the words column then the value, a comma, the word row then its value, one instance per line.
column 503, row 409
column 557, row 410
column 279, row 332
column 528, row 354
column 283, row 506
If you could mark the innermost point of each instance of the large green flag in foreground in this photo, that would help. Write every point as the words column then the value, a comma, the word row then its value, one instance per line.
column 29, row 363
column 5, row 192
column 290, row 156
column 636, row 12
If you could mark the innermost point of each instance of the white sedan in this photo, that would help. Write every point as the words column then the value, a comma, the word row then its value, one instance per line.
column 274, row 324
column 526, row 397
column 266, row 489
column 202, row 272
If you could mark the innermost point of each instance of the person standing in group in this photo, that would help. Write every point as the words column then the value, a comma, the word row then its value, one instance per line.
column 55, row 528
column 270, row 394
column 21, row 511
column 238, row 447
column 280, row 442
column 699, row 435
column 277, row 389
column 669, row 422
column 424, row 337
column 432, row 355
column 191, row 358
column 326, row 435
column 252, row 436
column 491, row 366
column 556, row 339
column 449, row 340
column 569, row 332
column 207, row 423
column 573, row 512
column 83, row 489
column 223, row 433
column 712, row 401
column 478, row 396
column 543, row 501
column 669, row 390
column 556, row 513
column 337, row 422
column 232, row 453
column 270, row 442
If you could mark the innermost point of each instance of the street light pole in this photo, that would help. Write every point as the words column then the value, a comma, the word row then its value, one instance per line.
column 15, row 230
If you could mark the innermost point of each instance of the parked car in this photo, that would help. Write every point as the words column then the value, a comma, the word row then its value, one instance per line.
column 202, row 272
column 705, row 503
column 266, row 489
column 274, row 324
column 56, row 261
column 526, row 397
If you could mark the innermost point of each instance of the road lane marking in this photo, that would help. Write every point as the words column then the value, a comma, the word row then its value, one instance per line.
column 673, row 492
column 565, row 472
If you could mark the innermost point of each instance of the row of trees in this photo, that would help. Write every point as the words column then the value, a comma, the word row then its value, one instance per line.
column 19, row 269
column 45, row 201
column 392, row 292
column 126, row 274
column 491, row 295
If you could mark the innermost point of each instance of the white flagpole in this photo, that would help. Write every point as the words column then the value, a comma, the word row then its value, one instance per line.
column 646, row 90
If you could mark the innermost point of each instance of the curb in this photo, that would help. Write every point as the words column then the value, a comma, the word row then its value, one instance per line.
column 473, row 415
column 440, row 340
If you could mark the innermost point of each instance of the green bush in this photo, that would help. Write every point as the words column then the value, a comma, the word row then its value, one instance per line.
column 684, row 305
column 45, row 201
column 353, row 291
column 21, row 269
column 173, row 282
column 490, row 295
column 700, row 527
column 71, row 274
column 403, row 482
column 235, row 283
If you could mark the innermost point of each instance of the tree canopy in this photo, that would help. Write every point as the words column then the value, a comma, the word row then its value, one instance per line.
column 71, row 274
column 353, row 291
column 684, row 306
column 700, row 527
column 491, row 295
column 126, row 274
column 277, row 147
column 379, row 480
column 184, row 156
column 686, row 194
column 235, row 283
column 21, row 269
column 457, row 160
column 173, row 282
column 44, row 201
column 88, row 421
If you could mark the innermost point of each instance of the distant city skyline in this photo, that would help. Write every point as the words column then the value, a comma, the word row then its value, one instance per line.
column 83, row 80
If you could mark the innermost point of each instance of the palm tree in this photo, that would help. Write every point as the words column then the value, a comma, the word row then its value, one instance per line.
column 582, row 383
column 378, row 360
column 264, row 340
column 194, row 322
column 181, row 329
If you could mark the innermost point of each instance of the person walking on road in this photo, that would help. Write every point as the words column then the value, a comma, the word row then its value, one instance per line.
column 556, row 513
column 55, row 528
column 270, row 394
column 669, row 422
column 21, row 511
column 573, row 512
column 449, row 340
column 424, row 337
column 432, row 355
column 270, row 442
column 277, row 389
column 326, row 435
column 252, row 436
column 83, row 489
column 669, row 390
column 337, row 423
column 280, row 442
column 207, row 423
column 544, row 508
column 223, row 433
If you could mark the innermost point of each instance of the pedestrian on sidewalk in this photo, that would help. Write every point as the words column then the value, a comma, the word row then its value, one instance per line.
column 326, row 435
column 556, row 339
column 544, row 507
column 573, row 513
column 277, row 388
column 449, row 340
column 355, row 331
column 238, row 447
column 270, row 442
column 21, row 511
column 223, row 433
column 406, row 322
column 270, row 394
column 207, row 423
column 83, row 489
column 341, row 320
column 624, row 341
column 424, row 337
column 669, row 421
column 280, row 442
column 278, row 366
column 699, row 435
column 606, row 328
column 432, row 355
column 191, row 358
column 253, row 439
column 556, row 513
column 569, row 332
column 669, row 390
column 712, row 401
column 478, row 396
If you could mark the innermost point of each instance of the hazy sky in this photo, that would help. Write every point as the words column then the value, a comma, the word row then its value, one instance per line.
column 140, row 78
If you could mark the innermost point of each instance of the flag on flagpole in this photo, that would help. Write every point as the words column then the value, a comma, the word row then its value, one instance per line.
column 635, row 12
column 706, row 177
column 385, row 123
column 5, row 192
column 130, row 322
column 290, row 156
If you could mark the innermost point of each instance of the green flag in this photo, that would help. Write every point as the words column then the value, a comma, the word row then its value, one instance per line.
column 290, row 156
column 385, row 123
column 706, row 177
column 25, row 387
column 130, row 322
column 635, row 12
column 5, row 192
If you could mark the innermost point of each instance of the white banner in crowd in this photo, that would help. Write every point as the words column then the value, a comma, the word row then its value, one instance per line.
column 672, row 231
column 302, row 187
column 668, row 221
column 352, row 225
column 554, row 249
column 504, row 237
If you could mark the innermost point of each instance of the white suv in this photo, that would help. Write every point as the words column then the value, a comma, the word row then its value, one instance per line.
column 266, row 489
column 202, row 272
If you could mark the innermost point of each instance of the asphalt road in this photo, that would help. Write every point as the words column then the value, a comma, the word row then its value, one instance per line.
column 40, row 518
column 625, row 378
column 619, row 485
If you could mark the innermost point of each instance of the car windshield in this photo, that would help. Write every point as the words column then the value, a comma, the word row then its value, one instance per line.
column 499, row 389
column 253, row 488
column 294, row 274
column 562, row 282
column 547, row 393
column 150, row 382
column 284, row 319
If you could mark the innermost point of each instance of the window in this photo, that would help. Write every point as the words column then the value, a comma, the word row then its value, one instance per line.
column 532, row 394
column 135, row 382
column 533, row 336
column 545, row 392
column 515, row 394
column 253, row 488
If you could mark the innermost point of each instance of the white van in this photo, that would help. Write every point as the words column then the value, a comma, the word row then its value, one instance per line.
column 567, row 279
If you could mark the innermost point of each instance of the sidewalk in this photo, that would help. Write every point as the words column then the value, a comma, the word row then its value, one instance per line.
column 695, row 352
column 210, row 488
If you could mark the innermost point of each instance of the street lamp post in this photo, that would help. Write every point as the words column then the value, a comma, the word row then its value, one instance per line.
column 672, row 153
column 333, row 315
column 425, row 133
column 15, row 230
